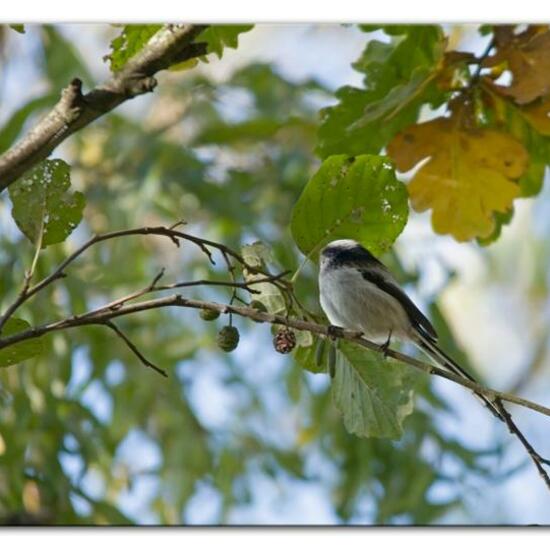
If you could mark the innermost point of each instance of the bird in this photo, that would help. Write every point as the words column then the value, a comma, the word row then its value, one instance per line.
column 357, row 292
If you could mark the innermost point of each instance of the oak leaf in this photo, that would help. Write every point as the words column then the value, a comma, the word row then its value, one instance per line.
column 527, row 56
column 470, row 175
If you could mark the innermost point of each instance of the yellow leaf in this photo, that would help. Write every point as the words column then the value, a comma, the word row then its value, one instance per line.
column 470, row 174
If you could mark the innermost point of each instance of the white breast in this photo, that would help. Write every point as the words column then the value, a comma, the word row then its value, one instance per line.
column 351, row 302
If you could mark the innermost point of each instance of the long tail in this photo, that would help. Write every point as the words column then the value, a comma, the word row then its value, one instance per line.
column 433, row 351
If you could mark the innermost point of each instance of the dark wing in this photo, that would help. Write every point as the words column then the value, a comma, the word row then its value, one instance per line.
column 383, row 281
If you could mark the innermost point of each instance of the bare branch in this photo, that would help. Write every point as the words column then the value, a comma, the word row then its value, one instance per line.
column 170, row 233
column 538, row 461
column 24, row 292
column 172, row 44
column 134, row 348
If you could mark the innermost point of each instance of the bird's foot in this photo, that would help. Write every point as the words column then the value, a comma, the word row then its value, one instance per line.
column 334, row 332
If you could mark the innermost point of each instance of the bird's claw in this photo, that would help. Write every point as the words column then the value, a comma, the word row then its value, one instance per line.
column 333, row 332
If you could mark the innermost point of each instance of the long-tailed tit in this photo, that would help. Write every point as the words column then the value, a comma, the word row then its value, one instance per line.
column 357, row 292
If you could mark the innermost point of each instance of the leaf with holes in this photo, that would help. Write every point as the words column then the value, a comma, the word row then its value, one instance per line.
column 373, row 394
column 43, row 204
column 21, row 351
column 351, row 197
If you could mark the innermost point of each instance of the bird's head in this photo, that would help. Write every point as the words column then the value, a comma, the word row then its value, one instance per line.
column 344, row 251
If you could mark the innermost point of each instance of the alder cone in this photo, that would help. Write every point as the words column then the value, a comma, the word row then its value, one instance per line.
column 228, row 338
column 285, row 340
column 209, row 314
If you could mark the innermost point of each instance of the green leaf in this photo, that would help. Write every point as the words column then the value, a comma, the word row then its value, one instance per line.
column 17, row 27
column 396, row 100
column 21, row 351
column 14, row 125
column 41, row 198
column 373, row 394
column 399, row 79
column 351, row 197
column 129, row 42
column 218, row 37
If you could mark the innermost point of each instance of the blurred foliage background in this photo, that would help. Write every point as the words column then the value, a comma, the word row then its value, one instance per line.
column 88, row 436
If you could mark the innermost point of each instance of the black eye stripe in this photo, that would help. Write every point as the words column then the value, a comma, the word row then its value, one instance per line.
column 352, row 256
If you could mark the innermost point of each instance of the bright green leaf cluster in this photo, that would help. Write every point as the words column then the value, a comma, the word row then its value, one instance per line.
column 398, row 80
column 133, row 38
column 129, row 42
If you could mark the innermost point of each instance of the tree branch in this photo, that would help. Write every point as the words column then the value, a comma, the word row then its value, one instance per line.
column 172, row 44
column 176, row 300
column 538, row 460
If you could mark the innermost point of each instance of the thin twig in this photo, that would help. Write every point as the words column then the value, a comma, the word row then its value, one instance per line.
column 480, row 60
column 24, row 292
column 134, row 348
column 172, row 234
column 538, row 460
